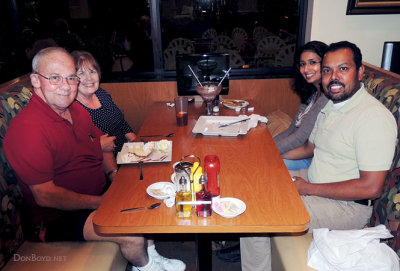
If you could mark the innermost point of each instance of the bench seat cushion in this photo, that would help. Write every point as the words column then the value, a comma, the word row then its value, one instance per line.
column 387, row 209
column 278, row 122
column 289, row 252
column 60, row 256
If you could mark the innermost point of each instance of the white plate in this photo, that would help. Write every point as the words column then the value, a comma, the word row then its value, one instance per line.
column 235, row 104
column 228, row 207
column 161, row 190
column 208, row 125
column 127, row 157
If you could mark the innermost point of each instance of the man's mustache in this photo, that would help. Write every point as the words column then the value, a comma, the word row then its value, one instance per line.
column 335, row 82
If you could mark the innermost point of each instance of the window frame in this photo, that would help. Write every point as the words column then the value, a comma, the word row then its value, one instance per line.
column 159, row 74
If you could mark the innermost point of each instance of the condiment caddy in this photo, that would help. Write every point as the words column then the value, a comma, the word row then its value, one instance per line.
column 196, row 187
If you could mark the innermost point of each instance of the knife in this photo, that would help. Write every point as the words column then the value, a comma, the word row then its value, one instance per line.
column 227, row 124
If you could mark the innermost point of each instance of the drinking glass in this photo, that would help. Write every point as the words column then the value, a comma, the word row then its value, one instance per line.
column 181, row 110
column 208, row 91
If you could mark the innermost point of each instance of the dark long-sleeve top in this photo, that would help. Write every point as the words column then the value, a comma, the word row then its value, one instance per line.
column 110, row 119
column 293, row 137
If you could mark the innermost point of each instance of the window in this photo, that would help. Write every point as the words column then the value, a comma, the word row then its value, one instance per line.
column 260, row 35
column 256, row 34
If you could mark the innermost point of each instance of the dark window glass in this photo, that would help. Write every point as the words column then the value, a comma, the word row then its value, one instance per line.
column 258, row 34
column 113, row 31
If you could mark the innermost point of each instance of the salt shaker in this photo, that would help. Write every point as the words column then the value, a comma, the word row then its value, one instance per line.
column 182, row 169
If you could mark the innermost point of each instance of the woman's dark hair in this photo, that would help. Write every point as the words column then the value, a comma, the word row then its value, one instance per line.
column 301, row 87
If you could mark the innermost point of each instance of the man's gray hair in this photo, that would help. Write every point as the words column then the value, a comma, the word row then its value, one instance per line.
column 38, row 57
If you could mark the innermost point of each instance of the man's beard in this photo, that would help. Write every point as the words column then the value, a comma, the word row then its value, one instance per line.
column 343, row 97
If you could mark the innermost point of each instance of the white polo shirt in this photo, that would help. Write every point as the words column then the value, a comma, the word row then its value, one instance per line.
column 360, row 135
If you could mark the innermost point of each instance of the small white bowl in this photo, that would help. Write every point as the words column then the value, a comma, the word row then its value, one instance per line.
column 228, row 207
column 161, row 190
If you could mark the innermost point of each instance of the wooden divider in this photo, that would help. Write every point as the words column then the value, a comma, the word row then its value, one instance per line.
column 135, row 99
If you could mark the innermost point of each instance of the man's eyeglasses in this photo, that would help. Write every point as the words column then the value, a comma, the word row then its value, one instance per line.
column 310, row 63
column 56, row 79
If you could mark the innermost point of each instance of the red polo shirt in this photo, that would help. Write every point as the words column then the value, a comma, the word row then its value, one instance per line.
column 42, row 146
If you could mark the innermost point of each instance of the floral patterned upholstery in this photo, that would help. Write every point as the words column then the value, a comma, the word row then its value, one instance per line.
column 387, row 91
column 80, row 255
column 387, row 207
column 11, row 103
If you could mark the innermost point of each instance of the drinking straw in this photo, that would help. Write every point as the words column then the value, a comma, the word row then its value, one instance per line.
column 224, row 76
column 195, row 76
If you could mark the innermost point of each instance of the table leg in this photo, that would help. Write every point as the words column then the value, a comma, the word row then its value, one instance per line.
column 203, row 252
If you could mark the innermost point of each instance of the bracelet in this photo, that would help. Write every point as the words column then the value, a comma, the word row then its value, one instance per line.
column 111, row 172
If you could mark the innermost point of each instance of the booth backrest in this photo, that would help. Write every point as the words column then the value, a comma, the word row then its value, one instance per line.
column 385, row 86
column 11, row 103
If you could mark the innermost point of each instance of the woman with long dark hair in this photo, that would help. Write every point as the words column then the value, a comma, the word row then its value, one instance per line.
column 308, row 86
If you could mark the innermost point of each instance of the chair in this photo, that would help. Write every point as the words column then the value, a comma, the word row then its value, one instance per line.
column 287, row 36
column 210, row 33
column 285, row 56
column 260, row 32
column 239, row 36
column 221, row 43
column 176, row 46
column 267, row 49
column 235, row 59
column 119, row 45
column 182, row 44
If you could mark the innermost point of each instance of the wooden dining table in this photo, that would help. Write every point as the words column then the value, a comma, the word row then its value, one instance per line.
column 251, row 169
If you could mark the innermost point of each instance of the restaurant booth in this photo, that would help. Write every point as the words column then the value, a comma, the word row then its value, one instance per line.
column 136, row 100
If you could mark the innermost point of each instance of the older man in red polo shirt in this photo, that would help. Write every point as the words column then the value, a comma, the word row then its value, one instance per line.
column 54, row 149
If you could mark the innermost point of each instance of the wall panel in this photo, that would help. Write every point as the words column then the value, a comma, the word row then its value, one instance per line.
column 135, row 99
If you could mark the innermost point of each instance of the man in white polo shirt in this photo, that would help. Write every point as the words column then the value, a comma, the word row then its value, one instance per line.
column 352, row 145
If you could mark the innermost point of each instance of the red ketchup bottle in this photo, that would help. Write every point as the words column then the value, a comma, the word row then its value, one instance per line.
column 212, row 167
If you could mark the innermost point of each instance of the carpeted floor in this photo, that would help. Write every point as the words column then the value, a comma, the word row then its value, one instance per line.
column 183, row 247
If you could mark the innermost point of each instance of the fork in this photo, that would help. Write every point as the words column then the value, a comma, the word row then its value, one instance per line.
column 141, row 170
column 169, row 135
column 162, row 158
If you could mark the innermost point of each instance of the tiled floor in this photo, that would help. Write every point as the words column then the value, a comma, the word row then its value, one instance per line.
column 183, row 247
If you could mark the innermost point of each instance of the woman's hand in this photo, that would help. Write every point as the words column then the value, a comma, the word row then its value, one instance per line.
column 130, row 137
column 107, row 143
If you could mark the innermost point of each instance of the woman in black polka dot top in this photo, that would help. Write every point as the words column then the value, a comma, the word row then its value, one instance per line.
column 105, row 113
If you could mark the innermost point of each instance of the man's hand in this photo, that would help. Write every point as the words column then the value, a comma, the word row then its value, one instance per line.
column 110, row 165
column 107, row 143
column 300, row 184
